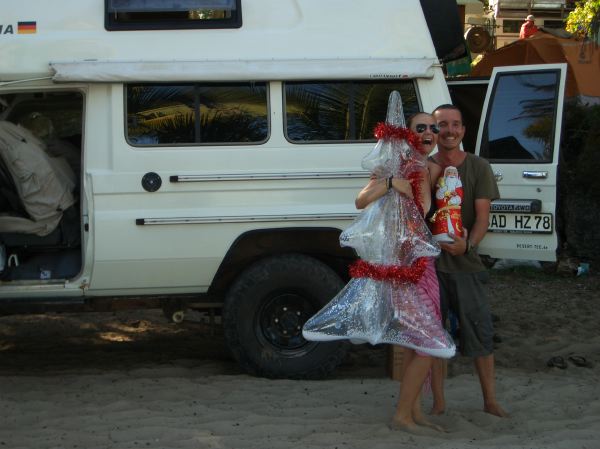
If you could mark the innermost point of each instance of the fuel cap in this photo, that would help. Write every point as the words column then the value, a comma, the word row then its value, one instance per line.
column 151, row 182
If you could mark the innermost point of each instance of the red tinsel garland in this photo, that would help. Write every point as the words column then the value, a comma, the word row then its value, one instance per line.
column 387, row 131
column 396, row 273
column 393, row 273
column 415, row 179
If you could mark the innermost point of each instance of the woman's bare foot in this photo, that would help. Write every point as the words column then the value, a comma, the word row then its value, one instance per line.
column 422, row 421
column 495, row 409
column 437, row 409
column 408, row 426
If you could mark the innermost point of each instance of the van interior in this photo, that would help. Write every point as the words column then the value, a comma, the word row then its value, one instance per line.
column 40, row 186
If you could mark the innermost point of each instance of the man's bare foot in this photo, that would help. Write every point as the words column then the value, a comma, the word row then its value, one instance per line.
column 495, row 409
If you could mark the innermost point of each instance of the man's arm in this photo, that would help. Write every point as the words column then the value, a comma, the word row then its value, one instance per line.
column 482, row 219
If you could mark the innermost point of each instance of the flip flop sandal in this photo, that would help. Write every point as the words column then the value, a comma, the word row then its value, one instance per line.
column 557, row 362
column 578, row 360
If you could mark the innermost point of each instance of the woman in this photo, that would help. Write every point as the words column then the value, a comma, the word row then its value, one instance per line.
column 408, row 414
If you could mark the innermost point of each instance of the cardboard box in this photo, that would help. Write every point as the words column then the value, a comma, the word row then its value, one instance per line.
column 395, row 362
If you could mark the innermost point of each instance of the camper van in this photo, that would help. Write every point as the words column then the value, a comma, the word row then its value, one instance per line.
column 207, row 153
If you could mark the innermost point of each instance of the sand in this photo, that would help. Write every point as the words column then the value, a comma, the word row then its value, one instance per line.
column 133, row 380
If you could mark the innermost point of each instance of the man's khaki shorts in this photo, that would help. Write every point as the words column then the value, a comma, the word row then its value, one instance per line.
column 466, row 295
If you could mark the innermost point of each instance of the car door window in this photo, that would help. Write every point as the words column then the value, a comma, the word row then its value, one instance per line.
column 520, row 122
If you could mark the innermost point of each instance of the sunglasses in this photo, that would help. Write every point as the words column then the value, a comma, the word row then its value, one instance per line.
column 422, row 127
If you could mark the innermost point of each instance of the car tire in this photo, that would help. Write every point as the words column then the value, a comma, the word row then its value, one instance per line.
column 264, row 312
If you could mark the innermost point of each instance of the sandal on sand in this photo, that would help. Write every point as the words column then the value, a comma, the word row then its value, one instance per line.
column 557, row 362
column 578, row 360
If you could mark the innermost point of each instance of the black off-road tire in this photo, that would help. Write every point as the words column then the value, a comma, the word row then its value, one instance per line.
column 265, row 310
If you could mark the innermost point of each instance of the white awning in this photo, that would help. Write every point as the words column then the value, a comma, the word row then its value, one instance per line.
column 242, row 70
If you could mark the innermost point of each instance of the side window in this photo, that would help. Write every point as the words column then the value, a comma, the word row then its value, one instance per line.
column 511, row 26
column 521, row 118
column 168, row 114
column 554, row 24
column 123, row 15
column 340, row 111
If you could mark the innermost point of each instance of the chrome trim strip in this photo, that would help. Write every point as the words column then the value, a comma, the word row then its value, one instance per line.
column 535, row 174
column 269, row 176
column 241, row 219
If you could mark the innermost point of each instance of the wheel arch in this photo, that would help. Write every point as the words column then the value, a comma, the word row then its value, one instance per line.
column 321, row 243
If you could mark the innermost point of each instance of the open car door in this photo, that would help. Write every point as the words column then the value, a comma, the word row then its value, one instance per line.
column 519, row 135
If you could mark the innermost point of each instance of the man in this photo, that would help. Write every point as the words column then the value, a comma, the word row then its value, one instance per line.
column 461, row 273
column 528, row 28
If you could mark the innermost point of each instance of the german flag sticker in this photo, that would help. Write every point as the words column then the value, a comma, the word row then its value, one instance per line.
column 26, row 27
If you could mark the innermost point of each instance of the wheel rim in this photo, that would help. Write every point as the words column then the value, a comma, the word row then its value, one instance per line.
column 280, row 321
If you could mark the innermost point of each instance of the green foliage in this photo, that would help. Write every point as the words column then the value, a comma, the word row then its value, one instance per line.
column 583, row 20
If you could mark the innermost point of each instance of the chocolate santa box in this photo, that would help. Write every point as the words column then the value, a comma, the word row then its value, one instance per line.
column 447, row 218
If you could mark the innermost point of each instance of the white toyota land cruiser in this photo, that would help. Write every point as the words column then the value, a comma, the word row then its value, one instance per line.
column 207, row 154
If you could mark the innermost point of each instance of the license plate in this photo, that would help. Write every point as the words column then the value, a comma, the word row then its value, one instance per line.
column 521, row 223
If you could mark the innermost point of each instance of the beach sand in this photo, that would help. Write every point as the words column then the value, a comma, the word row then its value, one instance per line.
column 133, row 380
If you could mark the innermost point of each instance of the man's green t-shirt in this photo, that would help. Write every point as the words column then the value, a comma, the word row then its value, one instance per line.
column 478, row 182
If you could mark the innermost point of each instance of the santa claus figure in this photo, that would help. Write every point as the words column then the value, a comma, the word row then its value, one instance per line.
column 448, row 199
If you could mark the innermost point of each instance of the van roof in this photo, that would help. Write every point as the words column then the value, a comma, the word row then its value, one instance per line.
column 286, row 39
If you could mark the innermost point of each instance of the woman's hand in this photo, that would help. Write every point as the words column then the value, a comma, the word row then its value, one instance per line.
column 403, row 186
column 377, row 187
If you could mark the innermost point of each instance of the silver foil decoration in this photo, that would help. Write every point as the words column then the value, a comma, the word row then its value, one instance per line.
column 390, row 231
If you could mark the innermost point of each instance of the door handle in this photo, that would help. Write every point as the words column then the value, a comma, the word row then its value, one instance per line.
column 535, row 174
column 498, row 176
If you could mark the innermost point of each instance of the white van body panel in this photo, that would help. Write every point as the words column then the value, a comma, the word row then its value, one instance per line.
column 307, row 185
column 213, row 212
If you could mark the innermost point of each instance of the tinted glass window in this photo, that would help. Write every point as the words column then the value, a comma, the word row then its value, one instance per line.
column 341, row 111
column 521, row 118
column 511, row 26
column 197, row 113
column 172, row 14
column 558, row 24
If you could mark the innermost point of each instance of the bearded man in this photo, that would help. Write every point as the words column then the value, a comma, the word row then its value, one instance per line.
column 461, row 273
